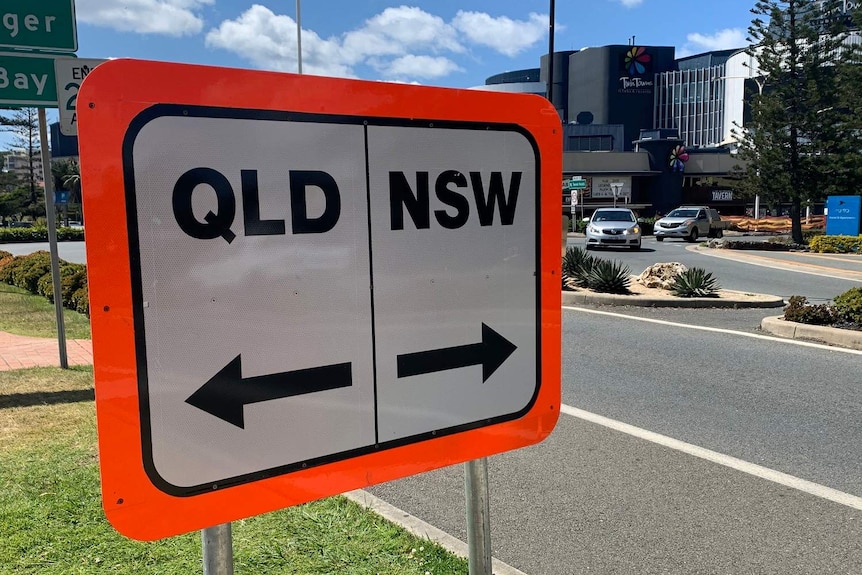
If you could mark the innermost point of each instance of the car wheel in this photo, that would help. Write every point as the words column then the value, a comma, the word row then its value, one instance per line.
column 693, row 236
column 635, row 248
column 589, row 247
column 719, row 234
column 659, row 239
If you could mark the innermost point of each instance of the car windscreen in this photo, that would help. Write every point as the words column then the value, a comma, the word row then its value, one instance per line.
column 617, row 216
column 682, row 214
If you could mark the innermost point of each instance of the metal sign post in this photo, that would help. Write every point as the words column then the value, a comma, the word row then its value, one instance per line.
column 617, row 187
column 52, row 236
column 217, row 550
column 478, row 516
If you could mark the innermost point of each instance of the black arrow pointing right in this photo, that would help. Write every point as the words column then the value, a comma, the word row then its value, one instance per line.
column 490, row 353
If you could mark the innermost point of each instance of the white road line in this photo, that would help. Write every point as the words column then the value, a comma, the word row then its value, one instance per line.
column 732, row 462
column 717, row 330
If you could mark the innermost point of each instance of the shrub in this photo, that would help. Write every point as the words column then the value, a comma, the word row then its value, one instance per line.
column 848, row 306
column 609, row 277
column 33, row 273
column 28, row 270
column 80, row 301
column 799, row 311
column 836, row 244
column 70, row 281
column 808, row 235
column 39, row 234
column 695, row 282
column 577, row 264
column 45, row 287
column 5, row 259
column 579, row 225
column 647, row 226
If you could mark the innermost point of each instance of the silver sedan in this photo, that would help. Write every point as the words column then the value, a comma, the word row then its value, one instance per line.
column 613, row 227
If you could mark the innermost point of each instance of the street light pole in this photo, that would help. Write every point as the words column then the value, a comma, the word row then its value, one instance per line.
column 550, row 86
column 761, row 82
column 298, row 40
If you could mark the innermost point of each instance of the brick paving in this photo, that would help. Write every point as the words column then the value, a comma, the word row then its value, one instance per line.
column 19, row 351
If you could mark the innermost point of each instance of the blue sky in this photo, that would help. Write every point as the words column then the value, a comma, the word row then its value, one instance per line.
column 432, row 42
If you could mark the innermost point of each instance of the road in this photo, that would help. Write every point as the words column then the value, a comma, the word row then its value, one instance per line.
column 680, row 450
column 73, row 252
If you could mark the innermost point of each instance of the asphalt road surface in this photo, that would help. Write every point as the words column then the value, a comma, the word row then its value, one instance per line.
column 681, row 450
column 72, row 252
column 756, row 469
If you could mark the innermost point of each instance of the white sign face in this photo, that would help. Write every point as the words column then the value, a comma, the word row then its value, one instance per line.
column 311, row 288
column 70, row 72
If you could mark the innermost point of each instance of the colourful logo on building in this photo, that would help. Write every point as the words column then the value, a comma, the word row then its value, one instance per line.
column 637, row 60
column 678, row 158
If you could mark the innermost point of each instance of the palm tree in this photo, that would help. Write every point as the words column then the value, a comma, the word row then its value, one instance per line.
column 68, row 174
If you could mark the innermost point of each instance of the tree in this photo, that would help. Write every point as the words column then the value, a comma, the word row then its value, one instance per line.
column 12, row 204
column 24, row 125
column 67, row 176
column 802, row 141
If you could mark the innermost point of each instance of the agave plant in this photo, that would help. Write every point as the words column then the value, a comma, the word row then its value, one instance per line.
column 577, row 264
column 695, row 282
column 609, row 277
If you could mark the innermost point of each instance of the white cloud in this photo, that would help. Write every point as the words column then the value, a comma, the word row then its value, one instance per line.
column 411, row 66
column 169, row 17
column 397, row 30
column 721, row 40
column 402, row 43
column 268, row 41
column 507, row 36
column 631, row 3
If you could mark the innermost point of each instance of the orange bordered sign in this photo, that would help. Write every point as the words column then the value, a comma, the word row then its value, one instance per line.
column 301, row 286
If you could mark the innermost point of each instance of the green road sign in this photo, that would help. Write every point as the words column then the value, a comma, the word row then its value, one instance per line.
column 38, row 25
column 575, row 184
column 27, row 80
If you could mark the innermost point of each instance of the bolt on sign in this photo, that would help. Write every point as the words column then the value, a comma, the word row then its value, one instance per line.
column 310, row 285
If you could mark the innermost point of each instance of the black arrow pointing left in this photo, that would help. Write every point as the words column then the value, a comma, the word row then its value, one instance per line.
column 227, row 392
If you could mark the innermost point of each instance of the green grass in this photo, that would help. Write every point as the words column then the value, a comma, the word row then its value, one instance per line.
column 51, row 520
column 24, row 313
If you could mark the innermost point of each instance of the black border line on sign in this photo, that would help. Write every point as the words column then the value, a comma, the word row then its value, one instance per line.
column 179, row 110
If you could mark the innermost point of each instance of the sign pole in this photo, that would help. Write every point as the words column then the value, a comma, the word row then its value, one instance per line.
column 52, row 235
column 217, row 550
column 478, row 516
column 298, row 40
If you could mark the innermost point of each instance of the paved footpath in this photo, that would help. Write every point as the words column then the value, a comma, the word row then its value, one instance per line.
column 19, row 351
